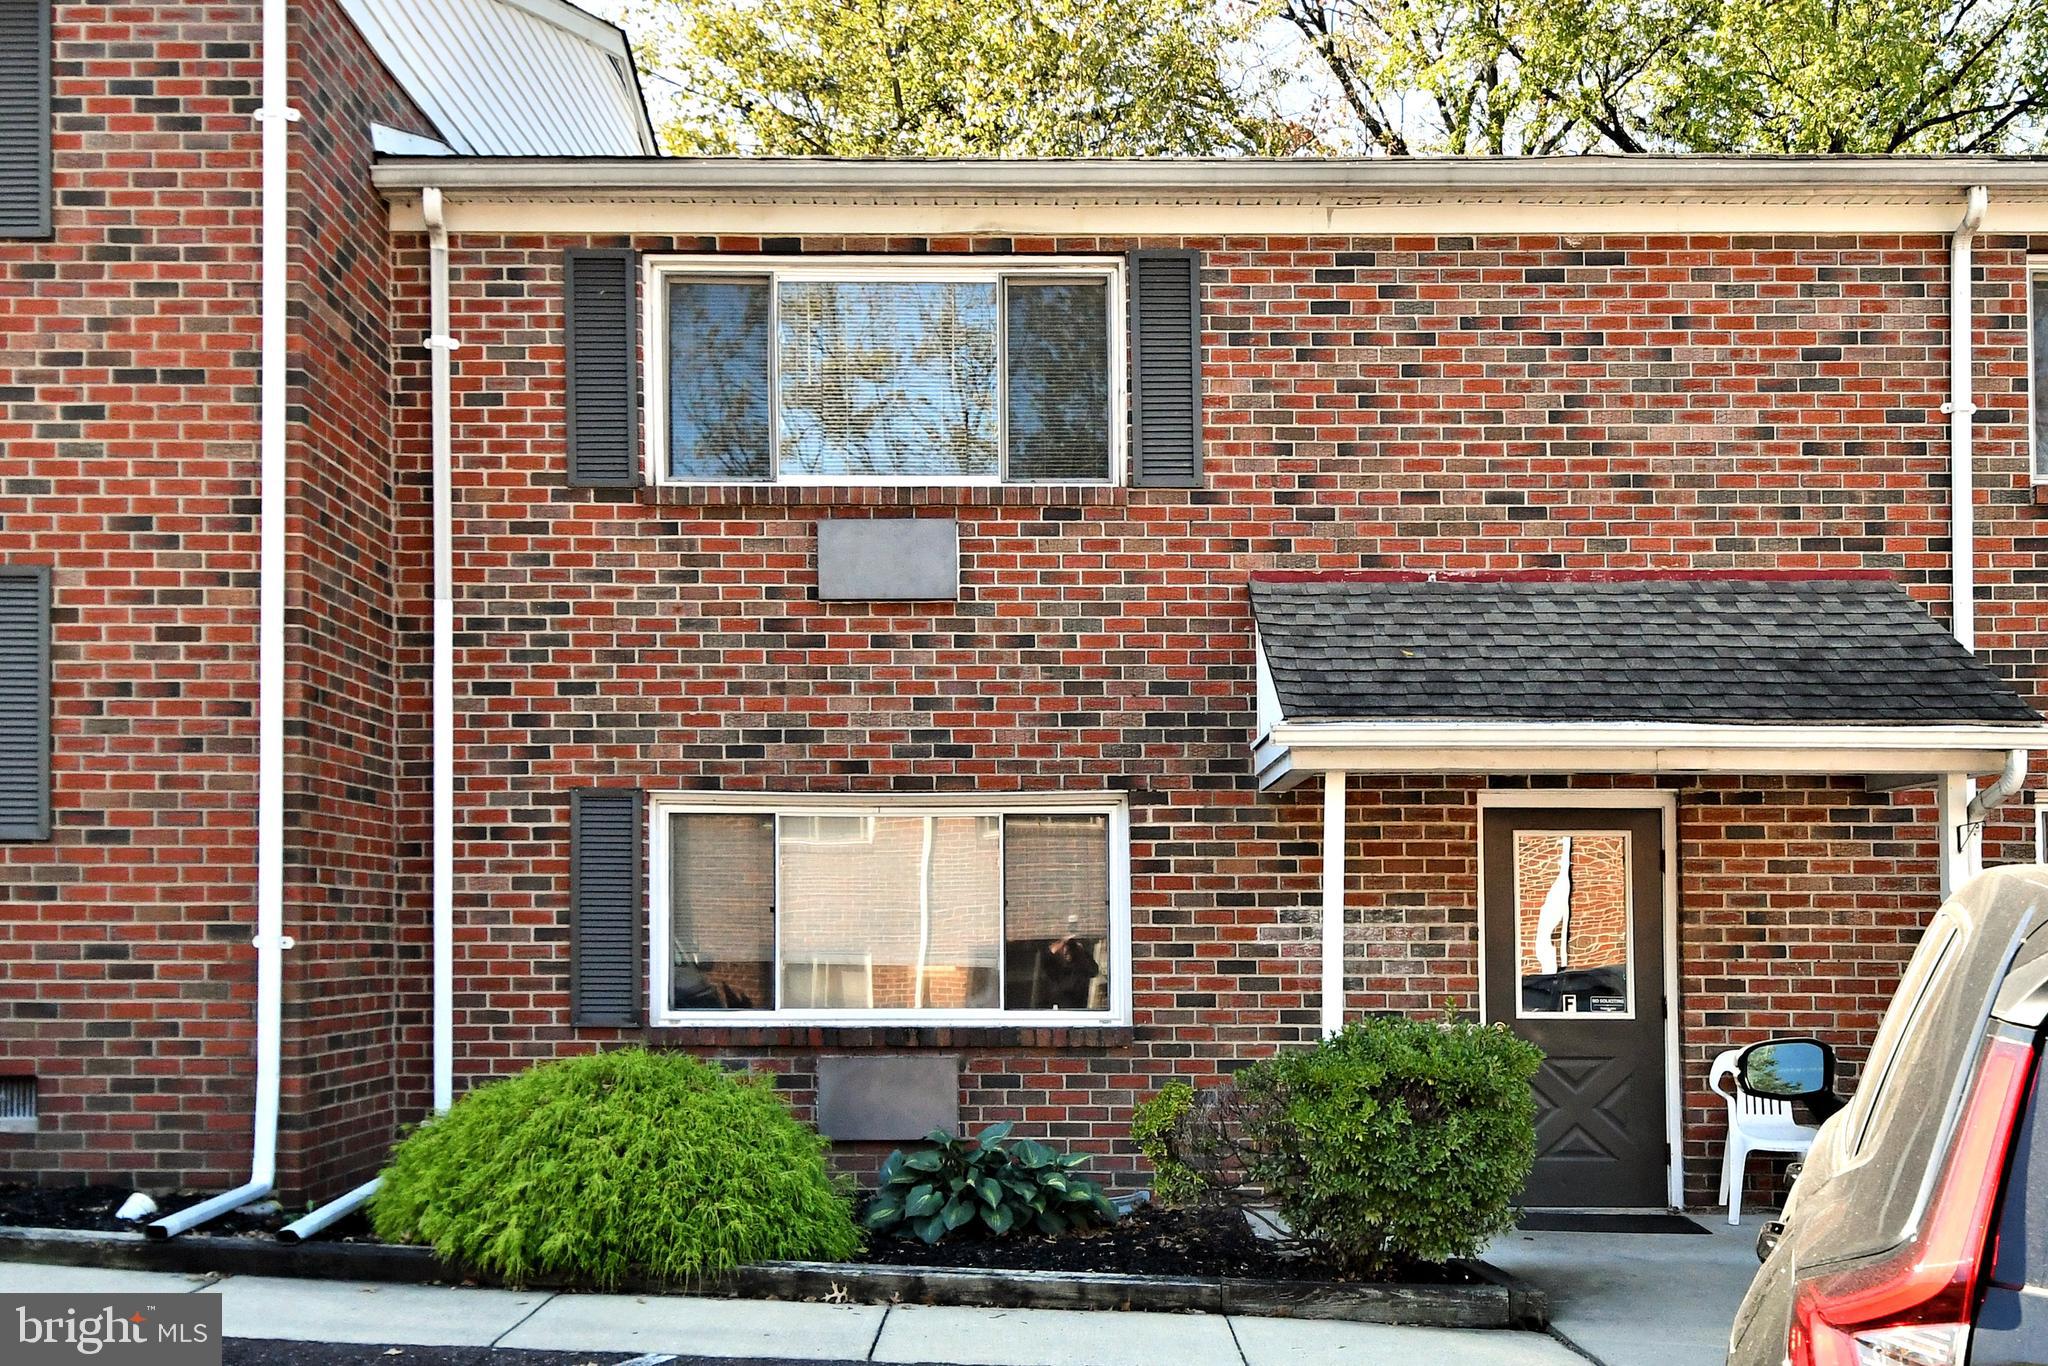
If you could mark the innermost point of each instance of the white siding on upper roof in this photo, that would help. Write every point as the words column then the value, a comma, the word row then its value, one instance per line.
column 511, row 77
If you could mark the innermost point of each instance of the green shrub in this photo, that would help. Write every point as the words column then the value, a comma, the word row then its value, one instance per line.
column 1396, row 1139
column 616, row 1164
column 995, row 1186
column 1153, row 1125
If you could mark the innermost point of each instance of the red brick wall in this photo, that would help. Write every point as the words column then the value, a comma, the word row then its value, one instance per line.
column 1413, row 403
column 127, row 462
column 128, row 418
column 341, row 983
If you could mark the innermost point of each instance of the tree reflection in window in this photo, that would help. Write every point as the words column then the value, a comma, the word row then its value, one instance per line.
column 886, row 379
column 718, row 379
column 1058, row 334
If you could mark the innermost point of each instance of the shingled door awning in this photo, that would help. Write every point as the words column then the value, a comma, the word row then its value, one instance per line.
column 1610, row 674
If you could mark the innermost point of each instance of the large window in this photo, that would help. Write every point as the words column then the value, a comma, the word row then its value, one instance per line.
column 932, row 912
column 878, row 372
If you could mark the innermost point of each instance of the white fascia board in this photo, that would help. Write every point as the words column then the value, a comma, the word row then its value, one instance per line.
column 388, row 141
column 513, row 210
column 1295, row 749
column 1270, row 713
column 599, row 33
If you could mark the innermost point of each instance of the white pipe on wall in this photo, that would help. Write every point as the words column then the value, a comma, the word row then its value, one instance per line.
column 275, row 117
column 1961, row 410
column 1333, row 903
column 440, row 347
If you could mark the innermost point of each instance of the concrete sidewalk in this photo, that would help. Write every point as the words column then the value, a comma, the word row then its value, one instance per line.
column 392, row 1315
column 1637, row 1299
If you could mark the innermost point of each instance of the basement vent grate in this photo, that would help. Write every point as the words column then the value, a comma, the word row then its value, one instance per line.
column 17, row 1105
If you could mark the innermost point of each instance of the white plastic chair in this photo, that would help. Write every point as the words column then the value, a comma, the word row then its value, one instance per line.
column 1755, row 1125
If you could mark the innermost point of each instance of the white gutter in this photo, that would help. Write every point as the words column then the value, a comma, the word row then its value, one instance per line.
column 275, row 116
column 1961, row 411
column 1295, row 750
column 440, row 346
column 1753, row 179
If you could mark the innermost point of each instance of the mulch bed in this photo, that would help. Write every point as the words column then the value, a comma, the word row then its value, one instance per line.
column 92, row 1208
column 1148, row 1241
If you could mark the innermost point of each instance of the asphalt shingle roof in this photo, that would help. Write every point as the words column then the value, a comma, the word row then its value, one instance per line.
column 1719, row 650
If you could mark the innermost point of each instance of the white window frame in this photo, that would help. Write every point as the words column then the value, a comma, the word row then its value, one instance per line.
column 2037, row 459
column 661, row 806
column 657, row 271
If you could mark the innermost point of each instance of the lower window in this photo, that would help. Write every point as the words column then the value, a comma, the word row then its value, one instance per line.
column 927, row 913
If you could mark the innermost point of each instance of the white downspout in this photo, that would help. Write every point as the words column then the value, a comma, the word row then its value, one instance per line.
column 1333, row 903
column 1961, row 412
column 440, row 345
column 441, row 348
column 2009, row 780
column 1960, row 813
column 275, row 116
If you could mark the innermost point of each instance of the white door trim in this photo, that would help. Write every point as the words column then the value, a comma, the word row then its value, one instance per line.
column 1633, row 799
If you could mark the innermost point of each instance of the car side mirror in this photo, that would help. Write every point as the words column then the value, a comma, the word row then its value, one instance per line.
column 1790, row 1069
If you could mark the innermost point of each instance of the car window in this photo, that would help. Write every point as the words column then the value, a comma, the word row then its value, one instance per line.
column 1874, row 1094
column 2022, row 1244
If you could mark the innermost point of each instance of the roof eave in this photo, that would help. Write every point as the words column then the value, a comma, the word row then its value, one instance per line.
column 1291, row 750
column 1802, row 179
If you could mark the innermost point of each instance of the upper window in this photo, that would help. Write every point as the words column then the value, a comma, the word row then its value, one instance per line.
column 865, row 373
column 925, row 913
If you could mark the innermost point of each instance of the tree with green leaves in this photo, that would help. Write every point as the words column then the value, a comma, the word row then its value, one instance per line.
column 946, row 78
column 1814, row 76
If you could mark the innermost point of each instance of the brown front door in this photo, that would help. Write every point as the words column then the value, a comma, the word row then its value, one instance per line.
column 1572, row 946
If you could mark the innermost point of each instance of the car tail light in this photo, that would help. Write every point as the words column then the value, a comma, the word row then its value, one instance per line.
column 1913, row 1308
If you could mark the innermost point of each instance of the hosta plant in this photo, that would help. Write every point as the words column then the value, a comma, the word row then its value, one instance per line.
column 992, row 1185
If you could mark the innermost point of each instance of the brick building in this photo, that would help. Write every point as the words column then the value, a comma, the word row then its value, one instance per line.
column 984, row 639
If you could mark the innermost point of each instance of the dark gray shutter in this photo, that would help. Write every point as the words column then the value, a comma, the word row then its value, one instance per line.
column 601, row 335
column 607, row 901
column 25, row 118
column 1166, row 368
column 24, row 702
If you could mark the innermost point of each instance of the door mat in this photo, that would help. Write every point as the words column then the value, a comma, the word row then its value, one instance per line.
column 1574, row 1221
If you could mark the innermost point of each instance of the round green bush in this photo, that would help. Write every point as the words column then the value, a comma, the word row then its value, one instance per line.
column 1396, row 1140
column 626, row 1163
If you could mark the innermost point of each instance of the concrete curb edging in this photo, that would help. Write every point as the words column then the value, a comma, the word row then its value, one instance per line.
column 1495, row 1298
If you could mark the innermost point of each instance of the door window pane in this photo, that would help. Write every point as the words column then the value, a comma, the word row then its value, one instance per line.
column 1058, row 399
column 718, row 379
column 1056, row 930
column 887, row 378
column 1572, row 922
column 722, row 911
column 905, row 917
